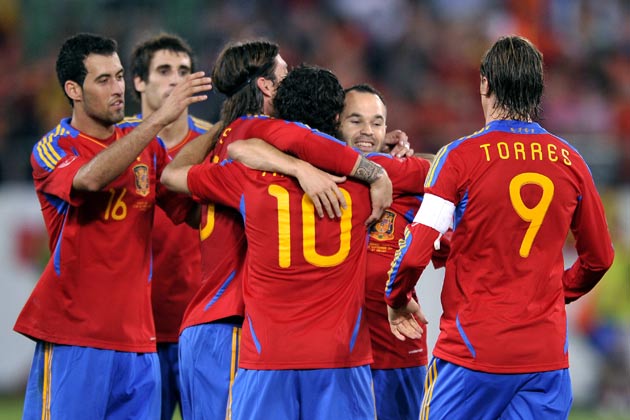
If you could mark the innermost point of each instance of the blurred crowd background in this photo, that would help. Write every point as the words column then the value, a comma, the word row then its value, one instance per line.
column 423, row 55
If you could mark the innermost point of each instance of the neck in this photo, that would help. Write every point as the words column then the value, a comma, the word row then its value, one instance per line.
column 267, row 106
column 492, row 112
column 90, row 126
column 494, row 115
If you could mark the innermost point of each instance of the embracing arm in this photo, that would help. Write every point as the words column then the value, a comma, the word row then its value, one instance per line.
column 380, row 186
column 320, row 186
column 112, row 161
column 175, row 174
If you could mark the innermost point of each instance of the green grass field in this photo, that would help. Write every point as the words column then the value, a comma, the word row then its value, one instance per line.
column 11, row 409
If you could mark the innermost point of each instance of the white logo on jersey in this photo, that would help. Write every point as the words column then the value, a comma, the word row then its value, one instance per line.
column 67, row 161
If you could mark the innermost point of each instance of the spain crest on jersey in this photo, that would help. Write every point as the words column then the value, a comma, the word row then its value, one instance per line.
column 383, row 230
column 141, row 172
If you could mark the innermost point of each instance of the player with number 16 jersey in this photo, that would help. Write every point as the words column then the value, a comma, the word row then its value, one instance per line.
column 114, row 312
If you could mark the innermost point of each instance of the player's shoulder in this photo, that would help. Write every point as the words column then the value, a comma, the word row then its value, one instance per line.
column 63, row 129
column 199, row 125
column 459, row 145
column 51, row 148
column 53, row 137
column 254, row 118
column 467, row 139
column 246, row 121
column 130, row 121
column 565, row 144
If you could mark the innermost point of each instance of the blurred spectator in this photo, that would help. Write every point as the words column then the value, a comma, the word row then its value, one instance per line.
column 421, row 54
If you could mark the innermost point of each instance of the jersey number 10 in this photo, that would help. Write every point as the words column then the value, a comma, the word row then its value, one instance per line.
column 308, row 230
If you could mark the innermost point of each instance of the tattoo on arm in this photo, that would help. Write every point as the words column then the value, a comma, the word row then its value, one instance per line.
column 368, row 171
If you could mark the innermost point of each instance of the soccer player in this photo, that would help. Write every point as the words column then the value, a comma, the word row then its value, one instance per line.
column 248, row 73
column 158, row 64
column 97, row 183
column 305, row 349
column 399, row 367
column 512, row 192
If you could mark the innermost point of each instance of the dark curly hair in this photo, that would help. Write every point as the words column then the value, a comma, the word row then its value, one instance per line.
column 143, row 54
column 71, row 58
column 311, row 95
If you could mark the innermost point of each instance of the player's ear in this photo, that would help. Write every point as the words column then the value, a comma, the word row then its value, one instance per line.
column 266, row 86
column 139, row 84
column 484, row 86
column 73, row 90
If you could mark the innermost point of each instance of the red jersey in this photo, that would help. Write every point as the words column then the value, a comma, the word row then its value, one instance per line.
column 407, row 176
column 223, row 244
column 223, row 248
column 517, row 190
column 176, row 259
column 95, row 289
column 304, row 277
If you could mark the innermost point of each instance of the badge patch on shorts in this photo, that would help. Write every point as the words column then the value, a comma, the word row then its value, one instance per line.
column 142, row 179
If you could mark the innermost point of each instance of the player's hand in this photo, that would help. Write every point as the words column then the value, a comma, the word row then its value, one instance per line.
column 381, row 197
column 183, row 95
column 404, row 321
column 397, row 144
column 321, row 187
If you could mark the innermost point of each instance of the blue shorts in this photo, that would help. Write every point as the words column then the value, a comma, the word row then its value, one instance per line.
column 454, row 392
column 315, row 394
column 71, row 382
column 208, row 360
column 399, row 392
column 169, row 370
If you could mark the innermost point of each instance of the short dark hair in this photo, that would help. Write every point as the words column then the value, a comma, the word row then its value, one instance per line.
column 365, row 88
column 311, row 95
column 514, row 69
column 71, row 58
column 237, row 66
column 143, row 54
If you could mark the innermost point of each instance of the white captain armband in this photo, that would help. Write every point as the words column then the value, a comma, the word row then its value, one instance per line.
column 436, row 213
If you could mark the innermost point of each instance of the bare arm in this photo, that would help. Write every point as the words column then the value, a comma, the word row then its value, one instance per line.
column 320, row 186
column 380, row 186
column 175, row 174
column 111, row 162
column 263, row 156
